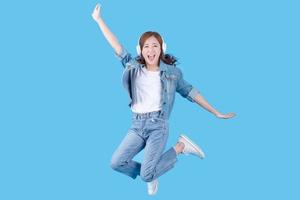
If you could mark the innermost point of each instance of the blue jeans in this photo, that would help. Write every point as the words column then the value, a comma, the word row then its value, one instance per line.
column 150, row 132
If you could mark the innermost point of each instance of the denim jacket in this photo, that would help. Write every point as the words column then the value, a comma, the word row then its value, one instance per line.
column 171, row 79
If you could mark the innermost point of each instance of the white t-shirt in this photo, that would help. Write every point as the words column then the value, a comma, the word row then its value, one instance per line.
column 148, row 92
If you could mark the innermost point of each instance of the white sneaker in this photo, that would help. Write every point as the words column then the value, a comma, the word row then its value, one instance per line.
column 152, row 187
column 190, row 147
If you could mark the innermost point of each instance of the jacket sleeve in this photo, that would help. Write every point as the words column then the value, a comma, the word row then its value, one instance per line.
column 126, row 59
column 185, row 89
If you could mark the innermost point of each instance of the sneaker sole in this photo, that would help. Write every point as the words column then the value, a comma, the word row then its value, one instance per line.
column 194, row 145
column 154, row 192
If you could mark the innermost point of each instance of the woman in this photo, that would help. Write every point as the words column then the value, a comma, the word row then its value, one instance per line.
column 151, row 80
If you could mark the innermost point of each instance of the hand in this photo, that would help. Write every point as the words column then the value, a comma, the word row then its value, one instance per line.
column 96, row 12
column 225, row 116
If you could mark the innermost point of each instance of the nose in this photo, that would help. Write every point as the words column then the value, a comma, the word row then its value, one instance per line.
column 151, row 49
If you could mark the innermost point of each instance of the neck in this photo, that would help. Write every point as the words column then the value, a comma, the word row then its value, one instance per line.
column 152, row 67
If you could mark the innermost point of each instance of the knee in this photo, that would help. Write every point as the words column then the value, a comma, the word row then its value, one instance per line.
column 147, row 176
column 115, row 164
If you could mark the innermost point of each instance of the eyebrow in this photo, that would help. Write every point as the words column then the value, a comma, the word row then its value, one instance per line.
column 152, row 43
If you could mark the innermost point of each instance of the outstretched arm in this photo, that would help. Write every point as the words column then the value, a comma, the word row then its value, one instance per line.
column 203, row 103
column 109, row 36
column 188, row 91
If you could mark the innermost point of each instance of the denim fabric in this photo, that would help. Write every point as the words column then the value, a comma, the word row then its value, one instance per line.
column 171, row 78
column 149, row 131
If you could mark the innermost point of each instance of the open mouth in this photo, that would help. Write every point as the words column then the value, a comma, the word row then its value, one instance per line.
column 151, row 57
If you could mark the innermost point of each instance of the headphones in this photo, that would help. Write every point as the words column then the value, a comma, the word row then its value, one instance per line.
column 139, row 50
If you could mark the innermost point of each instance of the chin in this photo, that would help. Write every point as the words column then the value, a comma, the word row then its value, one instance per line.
column 152, row 62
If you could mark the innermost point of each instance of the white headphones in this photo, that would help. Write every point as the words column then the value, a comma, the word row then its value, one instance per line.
column 139, row 50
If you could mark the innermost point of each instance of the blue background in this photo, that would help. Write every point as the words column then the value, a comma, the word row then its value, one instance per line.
column 63, row 109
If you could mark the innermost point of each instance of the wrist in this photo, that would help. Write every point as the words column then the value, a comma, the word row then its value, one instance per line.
column 98, row 20
column 217, row 114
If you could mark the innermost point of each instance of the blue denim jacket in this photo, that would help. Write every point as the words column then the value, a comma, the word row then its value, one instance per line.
column 171, row 79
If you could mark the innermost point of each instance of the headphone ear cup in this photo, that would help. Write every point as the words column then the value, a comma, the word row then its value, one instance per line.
column 138, row 49
column 164, row 47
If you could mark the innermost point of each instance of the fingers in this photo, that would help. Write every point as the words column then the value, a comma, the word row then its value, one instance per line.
column 230, row 115
column 226, row 116
column 98, row 6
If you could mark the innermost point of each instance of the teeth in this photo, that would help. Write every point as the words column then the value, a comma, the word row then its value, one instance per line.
column 151, row 57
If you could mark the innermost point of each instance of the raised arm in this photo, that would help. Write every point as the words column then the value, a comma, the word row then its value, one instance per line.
column 109, row 36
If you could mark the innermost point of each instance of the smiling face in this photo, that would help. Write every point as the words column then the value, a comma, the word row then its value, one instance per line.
column 151, row 51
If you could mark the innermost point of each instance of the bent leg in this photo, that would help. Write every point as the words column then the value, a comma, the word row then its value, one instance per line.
column 122, row 161
column 155, row 162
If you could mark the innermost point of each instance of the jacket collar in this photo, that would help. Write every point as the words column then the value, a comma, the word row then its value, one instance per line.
column 162, row 66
